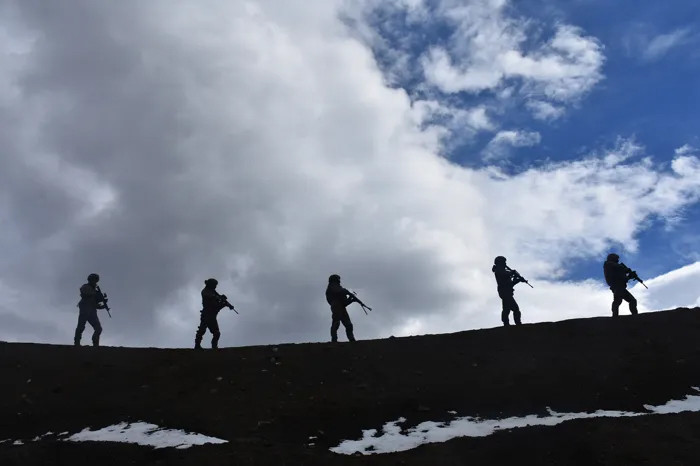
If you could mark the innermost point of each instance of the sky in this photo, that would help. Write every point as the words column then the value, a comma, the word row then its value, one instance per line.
column 402, row 144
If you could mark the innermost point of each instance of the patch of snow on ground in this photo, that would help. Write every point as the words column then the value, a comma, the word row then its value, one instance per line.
column 142, row 433
column 393, row 440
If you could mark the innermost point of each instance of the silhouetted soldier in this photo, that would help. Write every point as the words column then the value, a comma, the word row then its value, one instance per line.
column 338, row 298
column 212, row 303
column 91, row 299
column 506, row 280
column 617, row 275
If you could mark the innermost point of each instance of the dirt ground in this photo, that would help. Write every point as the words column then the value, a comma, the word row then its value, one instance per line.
column 267, row 401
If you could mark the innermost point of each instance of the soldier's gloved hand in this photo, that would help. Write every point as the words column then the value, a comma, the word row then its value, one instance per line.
column 223, row 297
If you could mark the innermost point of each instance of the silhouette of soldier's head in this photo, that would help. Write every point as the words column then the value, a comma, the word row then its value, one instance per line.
column 500, row 261
column 211, row 283
column 93, row 278
column 334, row 279
column 612, row 257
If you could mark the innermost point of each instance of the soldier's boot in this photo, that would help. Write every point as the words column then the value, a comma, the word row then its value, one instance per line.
column 633, row 307
column 349, row 333
column 516, row 317
column 334, row 334
column 215, row 341
column 96, row 340
column 504, row 318
column 198, row 337
column 616, row 306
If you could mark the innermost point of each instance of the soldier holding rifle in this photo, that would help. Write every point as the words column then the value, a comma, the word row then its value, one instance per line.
column 339, row 298
column 212, row 303
column 91, row 299
column 617, row 275
column 507, row 278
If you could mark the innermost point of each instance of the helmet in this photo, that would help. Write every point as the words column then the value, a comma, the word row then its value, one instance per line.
column 612, row 257
column 211, row 282
column 334, row 278
column 93, row 277
column 499, row 260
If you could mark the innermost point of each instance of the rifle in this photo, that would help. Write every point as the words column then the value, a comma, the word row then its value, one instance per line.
column 103, row 300
column 517, row 276
column 357, row 300
column 224, row 301
column 632, row 275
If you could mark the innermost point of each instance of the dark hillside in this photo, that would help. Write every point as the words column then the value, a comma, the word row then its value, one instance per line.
column 267, row 401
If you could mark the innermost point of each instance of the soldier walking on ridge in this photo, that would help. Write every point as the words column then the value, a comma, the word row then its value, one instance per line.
column 212, row 303
column 617, row 275
column 506, row 279
column 91, row 299
column 338, row 298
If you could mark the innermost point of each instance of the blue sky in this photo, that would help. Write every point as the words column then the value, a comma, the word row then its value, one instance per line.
column 647, row 94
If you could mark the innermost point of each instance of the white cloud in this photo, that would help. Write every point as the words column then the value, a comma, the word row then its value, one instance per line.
column 677, row 288
column 543, row 110
column 686, row 149
column 260, row 143
column 500, row 144
column 488, row 49
column 660, row 45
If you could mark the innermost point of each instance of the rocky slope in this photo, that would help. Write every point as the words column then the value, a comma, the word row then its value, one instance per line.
column 289, row 404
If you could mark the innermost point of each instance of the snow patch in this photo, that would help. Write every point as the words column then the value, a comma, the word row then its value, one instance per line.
column 142, row 433
column 393, row 440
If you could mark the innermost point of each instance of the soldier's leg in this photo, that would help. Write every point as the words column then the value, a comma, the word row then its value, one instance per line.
column 80, row 328
column 627, row 296
column 200, row 331
column 213, row 325
column 505, row 311
column 347, row 323
column 516, row 310
column 335, row 324
column 617, row 300
column 94, row 321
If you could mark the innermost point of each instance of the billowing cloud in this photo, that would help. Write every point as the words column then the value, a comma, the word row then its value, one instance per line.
column 159, row 144
column 488, row 49
column 484, row 51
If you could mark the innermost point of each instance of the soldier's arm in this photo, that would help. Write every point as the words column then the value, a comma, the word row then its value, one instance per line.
column 349, row 297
